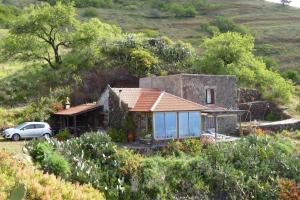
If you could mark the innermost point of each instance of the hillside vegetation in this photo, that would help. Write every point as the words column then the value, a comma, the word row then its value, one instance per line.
column 50, row 51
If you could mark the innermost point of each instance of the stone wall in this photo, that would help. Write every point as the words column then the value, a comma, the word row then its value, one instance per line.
column 227, row 125
column 193, row 87
column 249, row 95
column 290, row 125
column 170, row 84
column 262, row 110
column 117, row 113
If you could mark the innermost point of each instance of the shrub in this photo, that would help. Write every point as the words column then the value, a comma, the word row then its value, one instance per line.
column 63, row 135
column 50, row 160
column 39, row 150
column 227, row 25
column 297, row 133
column 90, row 12
column 130, row 162
column 288, row 190
column 188, row 146
column 292, row 75
column 117, row 135
column 180, row 10
column 56, row 164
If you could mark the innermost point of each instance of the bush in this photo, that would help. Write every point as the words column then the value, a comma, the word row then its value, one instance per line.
column 117, row 135
column 63, row 135
column 182, row 10
column 188, row 146
column 297, row 133
column 90, row 12
column 227, row 25
column 51, row 161
column 292, row 75
column 39, row 185
column 56, row 164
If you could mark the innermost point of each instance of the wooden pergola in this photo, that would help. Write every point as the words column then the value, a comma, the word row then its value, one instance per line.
column 86, row 116
column 220, row 112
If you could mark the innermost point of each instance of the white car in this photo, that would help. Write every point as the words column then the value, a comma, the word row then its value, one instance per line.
column 28, row 130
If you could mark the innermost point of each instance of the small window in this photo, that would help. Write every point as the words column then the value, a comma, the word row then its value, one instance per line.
column 39, row 126
column 31, row 126
column 210, row 96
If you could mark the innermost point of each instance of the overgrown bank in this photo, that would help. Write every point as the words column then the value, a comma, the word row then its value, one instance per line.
column 19, row 179
column 256, row 167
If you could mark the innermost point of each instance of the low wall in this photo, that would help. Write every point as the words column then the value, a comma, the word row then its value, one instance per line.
column 262, row 110
column 290, row 124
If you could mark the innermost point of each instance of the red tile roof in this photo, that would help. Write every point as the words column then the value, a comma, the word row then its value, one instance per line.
column 147, row 100
column 76, row 110
column 169, row 102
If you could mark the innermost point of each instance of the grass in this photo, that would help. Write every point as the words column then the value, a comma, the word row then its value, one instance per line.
column 10, row 146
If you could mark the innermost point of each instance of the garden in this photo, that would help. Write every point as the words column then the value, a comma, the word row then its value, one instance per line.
column 258, row 166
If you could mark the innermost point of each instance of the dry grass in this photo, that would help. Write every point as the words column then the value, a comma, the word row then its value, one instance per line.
column 10, row 146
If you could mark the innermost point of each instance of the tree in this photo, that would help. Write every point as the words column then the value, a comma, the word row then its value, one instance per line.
column 232, row 53
column 41, row 33
column 286, row 2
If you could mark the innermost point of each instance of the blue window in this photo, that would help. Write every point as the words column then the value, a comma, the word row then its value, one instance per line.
column 189, row 124
column 165, row 124
column 194, row 124
column 159, row 125
column 170, row 124
column 183, row 124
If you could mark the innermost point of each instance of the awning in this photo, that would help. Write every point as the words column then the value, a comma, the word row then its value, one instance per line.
column 77, row 110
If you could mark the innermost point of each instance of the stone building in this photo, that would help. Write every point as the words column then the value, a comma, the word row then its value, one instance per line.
column 212, row 91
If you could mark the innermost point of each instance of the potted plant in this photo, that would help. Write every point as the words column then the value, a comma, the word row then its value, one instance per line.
column 130, row 126
column 146, row 137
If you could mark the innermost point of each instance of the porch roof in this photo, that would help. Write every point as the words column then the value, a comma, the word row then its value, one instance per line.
column 76, row 110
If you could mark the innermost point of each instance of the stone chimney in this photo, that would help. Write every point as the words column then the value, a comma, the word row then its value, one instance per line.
column 67, row 104
column 120, row 100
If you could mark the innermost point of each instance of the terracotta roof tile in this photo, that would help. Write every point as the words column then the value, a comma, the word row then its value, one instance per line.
column 77, row 109
column 147, row 100
column 169, row 102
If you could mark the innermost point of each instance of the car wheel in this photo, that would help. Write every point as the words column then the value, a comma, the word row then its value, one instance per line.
column 46, row 135
column 16, row 137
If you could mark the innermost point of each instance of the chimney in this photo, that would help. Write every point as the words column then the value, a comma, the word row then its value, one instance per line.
column 67, row 104
column 120, row 100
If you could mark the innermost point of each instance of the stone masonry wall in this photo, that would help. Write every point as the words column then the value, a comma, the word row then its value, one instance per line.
column 193, row 87
column 117, row 113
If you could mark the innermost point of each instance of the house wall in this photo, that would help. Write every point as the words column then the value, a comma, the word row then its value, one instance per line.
column 116, row 110
column 193, row 87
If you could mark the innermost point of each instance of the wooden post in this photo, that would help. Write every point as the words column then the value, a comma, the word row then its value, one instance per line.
column 147, row 128
column 74, row 121
column 216, row 126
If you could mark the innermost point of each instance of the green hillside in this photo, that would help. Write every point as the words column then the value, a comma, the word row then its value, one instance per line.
column 81, row 75
column 276, row 28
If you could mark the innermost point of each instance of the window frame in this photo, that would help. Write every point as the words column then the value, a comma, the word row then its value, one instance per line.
column 165, row 129
column 188, row 122
column 177, row 135
column 212, row 97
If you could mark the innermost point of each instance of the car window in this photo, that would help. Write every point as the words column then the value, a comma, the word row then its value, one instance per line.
column 39, row 126
column 31, row 126
column 20, row 126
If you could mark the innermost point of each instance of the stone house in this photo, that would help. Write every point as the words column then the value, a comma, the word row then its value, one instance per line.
column 167, row 107
column 212, row 91
column 165, row 116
